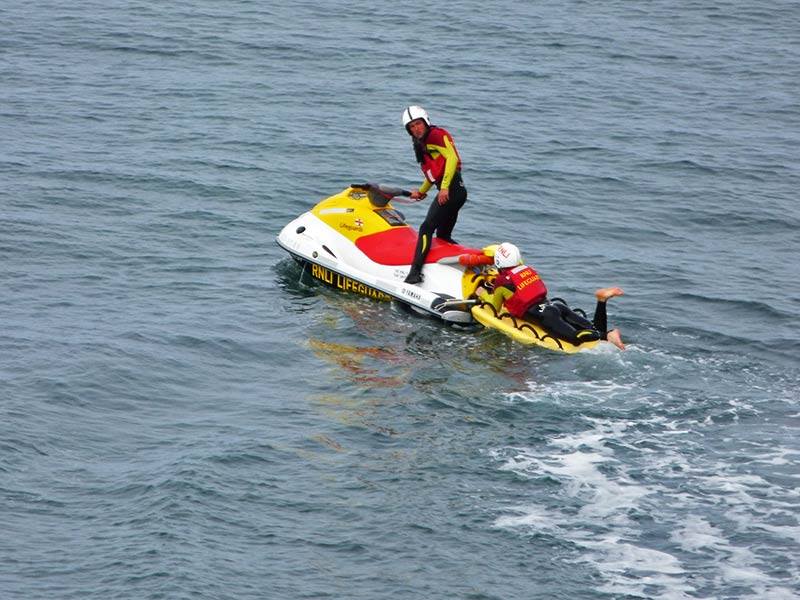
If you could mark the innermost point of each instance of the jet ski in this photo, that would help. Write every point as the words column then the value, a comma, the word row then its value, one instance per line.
column 358, row 242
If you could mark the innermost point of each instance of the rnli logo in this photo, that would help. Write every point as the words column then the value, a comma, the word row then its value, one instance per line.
column 346, row 284
column 529, row 278
column 503, row 251
column 359, row 223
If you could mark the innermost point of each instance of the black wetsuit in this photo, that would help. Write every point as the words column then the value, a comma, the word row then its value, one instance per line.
column 440, row 219
column 561, row 321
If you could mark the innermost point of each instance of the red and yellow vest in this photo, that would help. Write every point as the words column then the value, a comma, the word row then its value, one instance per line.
column 529, row 289
column 439, row 146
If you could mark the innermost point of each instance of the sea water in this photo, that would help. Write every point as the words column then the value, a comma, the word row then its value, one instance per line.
column 185, row 414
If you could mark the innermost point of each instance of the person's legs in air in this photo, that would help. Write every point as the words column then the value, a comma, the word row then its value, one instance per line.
column 600, row 319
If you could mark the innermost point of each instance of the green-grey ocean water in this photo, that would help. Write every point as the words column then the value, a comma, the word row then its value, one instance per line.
column 184, row 415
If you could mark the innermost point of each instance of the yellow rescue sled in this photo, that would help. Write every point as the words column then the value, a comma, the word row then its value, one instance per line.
column 524, row 331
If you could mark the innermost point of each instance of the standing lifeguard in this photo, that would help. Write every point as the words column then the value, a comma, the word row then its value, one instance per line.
column 438, row 158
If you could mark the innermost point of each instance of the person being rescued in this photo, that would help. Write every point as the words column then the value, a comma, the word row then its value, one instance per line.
column 519, row 288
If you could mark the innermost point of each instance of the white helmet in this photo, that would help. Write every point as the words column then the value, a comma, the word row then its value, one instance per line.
column 412, row 113
column 507, row 255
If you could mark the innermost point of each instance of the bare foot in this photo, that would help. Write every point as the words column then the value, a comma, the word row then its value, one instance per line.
column 603, row 294
column 615, row 338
